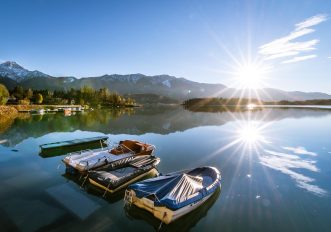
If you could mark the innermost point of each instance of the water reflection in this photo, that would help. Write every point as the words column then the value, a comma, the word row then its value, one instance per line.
column 300, row 150
column 291, row 164
column 251, row 133
column 251, row 137
column 215, row 109
column 73, row 200
column 159, row 120
column 275, row 165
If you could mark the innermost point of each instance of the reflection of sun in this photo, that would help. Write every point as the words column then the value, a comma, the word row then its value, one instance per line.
column 247, row 135
column 250, row 134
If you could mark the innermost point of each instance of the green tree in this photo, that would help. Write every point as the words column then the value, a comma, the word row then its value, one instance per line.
column 88, row 94
column 39, row 98
column 29, row 93
column 4, row 94
column 18, row 92
column 81, row 101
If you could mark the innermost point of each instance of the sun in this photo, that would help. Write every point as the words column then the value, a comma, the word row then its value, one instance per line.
column 251, row 76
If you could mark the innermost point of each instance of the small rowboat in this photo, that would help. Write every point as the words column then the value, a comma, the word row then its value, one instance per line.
column 169, row 197
column 85, row 161
column 112, row 179
column 58, row 148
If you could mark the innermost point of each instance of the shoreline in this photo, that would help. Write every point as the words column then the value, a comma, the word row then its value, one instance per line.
column 7, row 116
column 8, row 112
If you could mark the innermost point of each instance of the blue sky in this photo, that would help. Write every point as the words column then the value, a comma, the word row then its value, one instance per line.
column 204, row 41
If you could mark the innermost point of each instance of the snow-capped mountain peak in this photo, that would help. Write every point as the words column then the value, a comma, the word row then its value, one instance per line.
column 11, row 65
column 14, row 71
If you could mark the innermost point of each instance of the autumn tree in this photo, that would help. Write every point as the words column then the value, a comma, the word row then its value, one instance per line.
column 39, row 98
column 4, row 94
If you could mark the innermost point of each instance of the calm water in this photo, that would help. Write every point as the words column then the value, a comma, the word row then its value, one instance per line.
column 275, row 166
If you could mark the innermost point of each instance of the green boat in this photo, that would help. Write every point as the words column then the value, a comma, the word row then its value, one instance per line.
column 63, row 147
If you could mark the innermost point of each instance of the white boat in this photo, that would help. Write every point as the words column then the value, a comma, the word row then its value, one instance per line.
column 86, row 160
column 169, row 197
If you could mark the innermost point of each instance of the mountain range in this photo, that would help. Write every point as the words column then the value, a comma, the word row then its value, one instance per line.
column 12, row 74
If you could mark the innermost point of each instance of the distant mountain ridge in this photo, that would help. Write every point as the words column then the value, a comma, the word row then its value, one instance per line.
column 12, row 74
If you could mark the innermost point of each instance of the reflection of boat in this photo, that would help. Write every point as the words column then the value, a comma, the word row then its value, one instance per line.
column 76, row 109
column 90, row 189
column 171, row 196
column 185, row 223
column 84, row 161
column 38, row 111
column 67, row 112
column 113, row 179
column 58, row 148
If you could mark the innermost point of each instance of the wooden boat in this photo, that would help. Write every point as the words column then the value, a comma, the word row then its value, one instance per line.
column 169, row 197
column 112, row 178
column 84, row 161
column 133, row 146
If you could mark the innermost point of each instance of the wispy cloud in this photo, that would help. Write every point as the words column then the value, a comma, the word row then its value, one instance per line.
column 286, row 46
column 298, row 58
column 312, row 21
column 329, row 57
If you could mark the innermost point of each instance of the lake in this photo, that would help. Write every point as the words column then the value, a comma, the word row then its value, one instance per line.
column 275, row 165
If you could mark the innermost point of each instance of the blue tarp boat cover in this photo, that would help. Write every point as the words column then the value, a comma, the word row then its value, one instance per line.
column 176, row 190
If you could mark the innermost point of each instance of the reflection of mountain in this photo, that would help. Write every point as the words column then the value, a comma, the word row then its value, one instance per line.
column 160, row 120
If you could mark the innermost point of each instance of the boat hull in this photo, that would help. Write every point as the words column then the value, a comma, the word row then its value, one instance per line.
column 72, row 145
column 171, row 196
column 93, row 160
column 84, row 161
column 152, row 172
column 161, row 212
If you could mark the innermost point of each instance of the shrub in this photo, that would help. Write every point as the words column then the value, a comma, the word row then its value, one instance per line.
column 24, row 102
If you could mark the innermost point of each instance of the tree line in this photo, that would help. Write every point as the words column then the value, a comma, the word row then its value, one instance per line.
column 307, row 102
column 199, row 102
column 202, row 102
column 83, row 96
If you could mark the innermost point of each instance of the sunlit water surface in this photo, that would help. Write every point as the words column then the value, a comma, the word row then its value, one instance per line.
column 275, row 166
